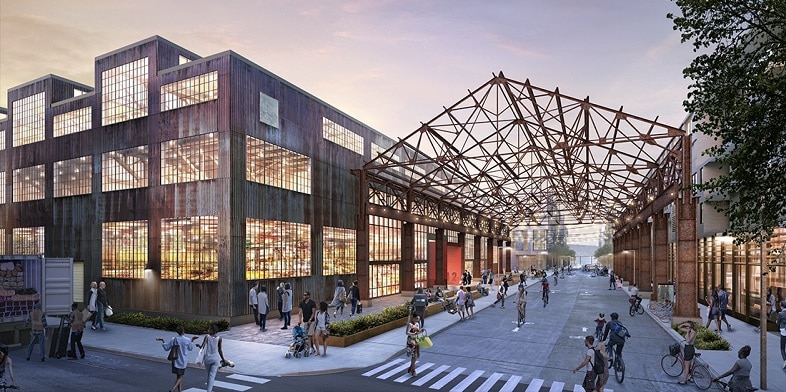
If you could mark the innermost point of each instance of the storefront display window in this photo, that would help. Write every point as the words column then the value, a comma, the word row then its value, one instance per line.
column 189, row 248
column 421, row 275
column 338, row 251
column 384, row 239
column 276, row 249
column 383, row 279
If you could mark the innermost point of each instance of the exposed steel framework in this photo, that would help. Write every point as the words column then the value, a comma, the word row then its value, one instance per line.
column 512, row 154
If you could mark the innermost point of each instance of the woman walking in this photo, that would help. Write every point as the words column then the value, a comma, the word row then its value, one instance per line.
column 214, row 355
column 461, row 301
column 286, row 303
column 323, row 322
column 469, row 303
column 413, row 329
column 264, row 308
column 339, row 298
column 179, row 364
column 713, row 309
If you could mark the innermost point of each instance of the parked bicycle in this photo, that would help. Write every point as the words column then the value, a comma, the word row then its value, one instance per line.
column 699, row 374
column 635, row 306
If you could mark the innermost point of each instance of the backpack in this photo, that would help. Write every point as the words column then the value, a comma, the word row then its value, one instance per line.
column 620, row 330
column 598, row 363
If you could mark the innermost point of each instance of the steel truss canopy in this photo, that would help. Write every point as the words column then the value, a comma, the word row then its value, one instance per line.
column 523, row 155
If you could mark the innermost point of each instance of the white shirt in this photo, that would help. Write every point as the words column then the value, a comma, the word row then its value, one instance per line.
column 252, row 296
column 634, row 291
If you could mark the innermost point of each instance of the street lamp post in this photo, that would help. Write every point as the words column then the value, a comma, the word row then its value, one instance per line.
column 633, row 281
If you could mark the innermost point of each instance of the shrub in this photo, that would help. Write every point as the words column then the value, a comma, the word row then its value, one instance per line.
column 707, row 339
column 364, row 322
column 194, row 327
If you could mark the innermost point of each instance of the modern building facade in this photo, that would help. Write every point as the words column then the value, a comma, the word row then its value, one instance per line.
column 180, row 180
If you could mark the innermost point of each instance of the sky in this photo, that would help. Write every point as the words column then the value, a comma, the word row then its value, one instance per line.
column 389, row 64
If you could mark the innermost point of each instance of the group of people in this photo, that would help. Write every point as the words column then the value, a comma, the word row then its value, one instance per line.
column 718, row 305
column 181, row 345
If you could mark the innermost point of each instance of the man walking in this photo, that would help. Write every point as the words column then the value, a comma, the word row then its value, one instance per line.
column 37, row 321
column 279, row 300
column 308, row 312
column 612, row 281
column 254, row 302
column 101, row 305
column 420, row 301
column 723, row 301
column 77, row 330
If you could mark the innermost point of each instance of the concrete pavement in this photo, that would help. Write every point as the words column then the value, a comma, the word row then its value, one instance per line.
column 262, row 354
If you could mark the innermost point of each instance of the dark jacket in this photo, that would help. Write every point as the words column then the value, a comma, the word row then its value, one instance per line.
column 102, row 297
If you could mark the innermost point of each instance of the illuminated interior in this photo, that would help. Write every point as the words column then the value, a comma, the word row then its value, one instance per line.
column 124, row 92
column 189, row 248
column 124, row 249
column 74, row 121
column 28, row 240
column 29, row 115
column 342, row 136
column 73, row 176
column 189, row 159
column 383, row 279
column 191, row 91
column 338, row 251
column 29, row 183
column 276, row 249
column 124, row 169
column 272, row 165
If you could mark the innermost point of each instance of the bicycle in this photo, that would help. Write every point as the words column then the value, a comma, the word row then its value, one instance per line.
column 5, row 387
column 635, row 307
column 662, row 310
column 545, row 297
column 724, row 386
column 616, row 363
column 698, row 373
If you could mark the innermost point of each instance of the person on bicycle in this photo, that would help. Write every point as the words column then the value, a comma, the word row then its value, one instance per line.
column 634, row 295
column 521, row 303
column 600, row 323
column 612, row 338
column 688, row 352
column 544, row 286
column 741, row 371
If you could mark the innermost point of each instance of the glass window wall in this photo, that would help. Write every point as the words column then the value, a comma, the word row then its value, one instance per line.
column 338, row 251
column 29, row 114
column 272, row 165
column 74, row 121
column 124, row 249
column 384, row 279
column 342, row 136
column 422, row 233
column 421, row 275
column 2, row 187
column 276, row 249
column 189, row 159
column 124, row 92
column 29, row 183
column 189, row 248
column 384, row 239
column 2, row 140
column 191, row 91
column 469, row 251
column 28, row 240
column 124, row 169
column 73, row 177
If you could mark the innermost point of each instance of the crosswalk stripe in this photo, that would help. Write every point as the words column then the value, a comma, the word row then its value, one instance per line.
column 390, row 373
column 448, row 378
column 383, row 367
column 428, row 377
column 467, row 381
column 243, row 377
column 511, row 384
column 418, row 370
column 557, row 386
column 535, row 385
column 486, row 386
column 232, row 386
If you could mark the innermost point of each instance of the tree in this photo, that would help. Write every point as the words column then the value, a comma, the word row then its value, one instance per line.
column 738, row 96
column 604, row 250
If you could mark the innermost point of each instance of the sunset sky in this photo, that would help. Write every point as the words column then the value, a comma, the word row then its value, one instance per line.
column 389, row 64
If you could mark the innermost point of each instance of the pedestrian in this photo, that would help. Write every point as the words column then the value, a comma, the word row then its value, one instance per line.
column 484, row 275
column 463, row 278
column 184, row 345
column 781, row 321
column 603, row 378
column 214, row 354
column 502, row 291
column 420, row 302
column 469, row 303
column 713, row 309
column 589, row 377
column 339, row 298
column 770, row 309
column 286, row 305
column 689, row 351
column 264, row 308
column 521, row 303
column 461, row 301
column 77, row 329
column 252, row 302
column 323, row 323
column 101, row 305
column 91, row 305
column 413, row 329
column 354, row 298
column 308, row 312
column 37, row 321
column 7, row 363
column 491, row 278
column 612, row 280
column 723, row 305
column 279, row 300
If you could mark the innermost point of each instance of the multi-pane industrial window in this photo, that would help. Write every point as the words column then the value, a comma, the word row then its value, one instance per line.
column 276, row 249
column 484, row 254
column 342, row 136
column 469, row 251
column 124, row 169
column 421, row 241
column 272, row 165
column 189, row 248
column 29, row 183
column 377, row 150
column 540, row 239
column 338, row 251
column 2, row 140
column 2, row 187
column 384, row 239
column 191, row 91
column 189, row 159
column 29, row 114
column 74, row 121
column 28, row 240
column 451, row 236
column 2, row 242
column 124, row 249
column 124, row 92
column 383, row 279
column 421, row 274
column 73, row 177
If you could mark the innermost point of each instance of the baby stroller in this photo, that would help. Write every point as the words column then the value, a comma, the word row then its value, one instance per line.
column 299, row 345
column 450, row 306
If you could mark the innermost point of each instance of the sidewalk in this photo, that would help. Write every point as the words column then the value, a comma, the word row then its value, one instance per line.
column 262, row 353
column 741, row 334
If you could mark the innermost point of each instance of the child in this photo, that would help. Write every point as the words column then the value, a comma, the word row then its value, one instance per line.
column 601, row 322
